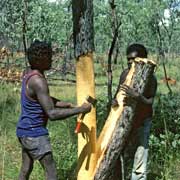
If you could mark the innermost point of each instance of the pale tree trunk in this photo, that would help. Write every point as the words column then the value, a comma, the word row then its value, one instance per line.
column 119, row 123
column 83, row 34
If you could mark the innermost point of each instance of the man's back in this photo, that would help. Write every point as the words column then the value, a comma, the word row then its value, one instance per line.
column 32, row 121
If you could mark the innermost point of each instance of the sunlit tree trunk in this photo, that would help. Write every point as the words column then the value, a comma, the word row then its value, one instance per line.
column 83, row 34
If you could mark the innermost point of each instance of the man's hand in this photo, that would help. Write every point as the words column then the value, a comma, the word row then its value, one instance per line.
column 70, row 105
column 86, row 107
column 114, row 103
column 129, row 92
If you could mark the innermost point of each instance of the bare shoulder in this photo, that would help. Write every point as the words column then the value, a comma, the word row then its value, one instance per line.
column 38, row 83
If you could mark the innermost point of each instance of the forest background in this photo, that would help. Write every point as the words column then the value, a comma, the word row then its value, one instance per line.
column 154, row 23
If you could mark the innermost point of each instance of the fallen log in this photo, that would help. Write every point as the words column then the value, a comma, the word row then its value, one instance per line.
column 118, row 125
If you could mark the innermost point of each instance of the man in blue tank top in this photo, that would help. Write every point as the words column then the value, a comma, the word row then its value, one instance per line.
column 37, row 106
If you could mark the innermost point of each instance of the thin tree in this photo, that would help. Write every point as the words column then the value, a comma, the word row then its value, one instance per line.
column 160, row 40
column 24, row 29
column 115, row 28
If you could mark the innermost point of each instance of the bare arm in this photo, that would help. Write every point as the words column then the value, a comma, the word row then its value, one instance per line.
column 61, row 104
column 152, row 87
column 121, row 81
column 40, row 89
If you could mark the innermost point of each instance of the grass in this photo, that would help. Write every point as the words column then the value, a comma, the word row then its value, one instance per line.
column 64, row 141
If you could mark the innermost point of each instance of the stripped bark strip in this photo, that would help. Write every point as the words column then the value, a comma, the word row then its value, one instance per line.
column 119, row 123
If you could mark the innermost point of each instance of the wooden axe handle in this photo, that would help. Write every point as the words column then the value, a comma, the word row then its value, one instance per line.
column 78, row 125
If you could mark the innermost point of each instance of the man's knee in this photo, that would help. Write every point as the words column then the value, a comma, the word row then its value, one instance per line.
column 27, row 167
column 47, row 159
column 49, row 166
column 25, row 171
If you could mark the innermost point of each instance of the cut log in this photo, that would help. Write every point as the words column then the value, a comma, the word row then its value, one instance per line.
column 118, row 125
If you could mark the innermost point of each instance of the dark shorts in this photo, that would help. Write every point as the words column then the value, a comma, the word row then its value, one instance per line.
column 36, row 147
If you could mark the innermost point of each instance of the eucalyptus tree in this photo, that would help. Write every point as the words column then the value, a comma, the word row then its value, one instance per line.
column 50, row 21
column 11, row 22
column 162, row 18
column 157, row 24
column 170, row 23
column 83, row 35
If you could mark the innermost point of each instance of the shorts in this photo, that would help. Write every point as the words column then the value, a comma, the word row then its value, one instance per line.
column 36, row 147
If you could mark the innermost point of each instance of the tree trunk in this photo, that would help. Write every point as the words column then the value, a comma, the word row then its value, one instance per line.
column 109, row 71
column 83, row 34
column 118, row 125
column 24, row 27
column 115, row 28
column 83, row 26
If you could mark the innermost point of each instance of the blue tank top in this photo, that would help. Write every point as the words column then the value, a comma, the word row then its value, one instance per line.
column 33, row 120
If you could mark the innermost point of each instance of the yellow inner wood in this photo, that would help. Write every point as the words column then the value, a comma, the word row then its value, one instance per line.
column 109, row 127
column 85, row 86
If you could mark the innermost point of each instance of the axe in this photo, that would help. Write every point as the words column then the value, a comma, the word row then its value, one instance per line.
column 93, row 102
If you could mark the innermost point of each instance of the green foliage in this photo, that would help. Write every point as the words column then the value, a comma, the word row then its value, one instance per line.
column 53, row 21
column 102, row 113
column 10, row 22
column 49, row 21
column 165, row 138
column 8, row 105
column 166, row 124
column 44, row 20
column 64, row 147
column 167, row 113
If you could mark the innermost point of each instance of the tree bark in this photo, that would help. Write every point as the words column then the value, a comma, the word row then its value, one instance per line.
column 24, row 28
column 83, row 30
column 83, row 34
column 109, row 71
column 115, row 28
column 118, row 125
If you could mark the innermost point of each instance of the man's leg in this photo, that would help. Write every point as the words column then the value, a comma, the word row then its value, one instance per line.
column 49, row 166
column 139, row 171
column 27, row 166
column 140, row 164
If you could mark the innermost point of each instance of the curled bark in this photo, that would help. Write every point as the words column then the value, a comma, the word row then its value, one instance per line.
column 119, row 123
